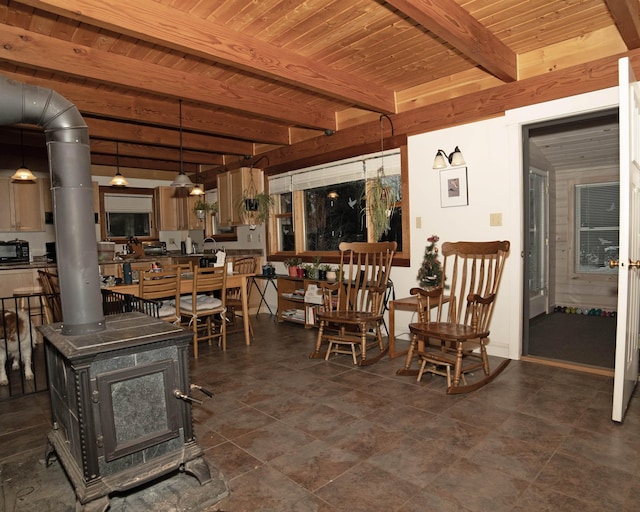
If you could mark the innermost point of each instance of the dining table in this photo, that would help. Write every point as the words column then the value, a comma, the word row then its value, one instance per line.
column 186, row 286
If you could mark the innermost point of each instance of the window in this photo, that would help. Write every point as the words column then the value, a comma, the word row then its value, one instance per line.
column 597, row 209
column 128, row 215
column 319, row 207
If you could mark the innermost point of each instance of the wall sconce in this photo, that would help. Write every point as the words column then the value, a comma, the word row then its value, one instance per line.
column 454, row 159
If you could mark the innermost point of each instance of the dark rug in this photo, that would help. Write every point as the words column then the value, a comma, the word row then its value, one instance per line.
column 30, row 486
column 581, row 339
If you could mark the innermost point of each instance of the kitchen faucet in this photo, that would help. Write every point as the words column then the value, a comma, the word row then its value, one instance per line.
column 212, row 240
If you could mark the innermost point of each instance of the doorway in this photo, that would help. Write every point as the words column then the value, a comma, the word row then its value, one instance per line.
column 569, row 292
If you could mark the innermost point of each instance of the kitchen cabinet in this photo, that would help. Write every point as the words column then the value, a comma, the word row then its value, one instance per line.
column 231, row 187
column 21, row 205
column 171, row 208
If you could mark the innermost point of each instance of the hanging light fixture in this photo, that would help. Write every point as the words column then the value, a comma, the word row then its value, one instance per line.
column 118, row 180
column 454, row 159
column 182, row 180
column 22, row 173
column 198, row 188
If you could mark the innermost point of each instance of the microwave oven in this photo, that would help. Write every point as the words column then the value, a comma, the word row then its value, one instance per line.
column 14, row 251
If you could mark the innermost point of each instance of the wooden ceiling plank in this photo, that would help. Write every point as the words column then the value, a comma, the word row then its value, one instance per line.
column 147, row 20
column 448, row 20
column 145, row 109
column 27, row 48
column 626, row 14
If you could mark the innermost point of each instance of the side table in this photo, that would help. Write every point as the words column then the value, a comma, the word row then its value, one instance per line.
column 263, row 291
column 404, row 304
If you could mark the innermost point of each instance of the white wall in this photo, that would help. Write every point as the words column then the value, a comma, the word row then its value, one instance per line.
column 493, row 153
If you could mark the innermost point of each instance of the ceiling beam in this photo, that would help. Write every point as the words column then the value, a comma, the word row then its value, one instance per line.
column 25, row 48
column 626, row 14
column 163, row 25
column 108, row 147
column 154, row 135
column 144, row 109
column 455, row 25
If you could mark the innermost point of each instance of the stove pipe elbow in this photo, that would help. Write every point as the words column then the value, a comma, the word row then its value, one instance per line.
column 67, row 138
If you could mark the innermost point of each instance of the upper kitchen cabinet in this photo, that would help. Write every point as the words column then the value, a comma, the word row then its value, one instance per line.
column 232, row 187
column 172, row 208
column 21, row 205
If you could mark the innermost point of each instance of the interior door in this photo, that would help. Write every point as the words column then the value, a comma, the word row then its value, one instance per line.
column 626, row 360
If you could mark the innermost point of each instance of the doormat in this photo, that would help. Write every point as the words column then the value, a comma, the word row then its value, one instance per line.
column 30, row 486
column 581, row 339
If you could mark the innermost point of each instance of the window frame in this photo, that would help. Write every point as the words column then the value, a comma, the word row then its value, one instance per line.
column 573, row 248
column 402, row 258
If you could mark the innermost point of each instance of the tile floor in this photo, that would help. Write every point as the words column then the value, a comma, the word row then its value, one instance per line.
column 294, row 434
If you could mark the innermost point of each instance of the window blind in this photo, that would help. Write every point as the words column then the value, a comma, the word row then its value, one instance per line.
column 342, row 171
column 128, row 203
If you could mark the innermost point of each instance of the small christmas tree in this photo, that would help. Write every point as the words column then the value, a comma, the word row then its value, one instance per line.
column 430, row 273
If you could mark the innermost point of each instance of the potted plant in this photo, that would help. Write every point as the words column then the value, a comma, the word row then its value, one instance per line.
column 430, row 272
column 201, row 207
column 322, row 271
column 292, row 265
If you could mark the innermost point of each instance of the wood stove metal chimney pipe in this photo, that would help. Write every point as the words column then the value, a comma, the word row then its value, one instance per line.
column 67, row 137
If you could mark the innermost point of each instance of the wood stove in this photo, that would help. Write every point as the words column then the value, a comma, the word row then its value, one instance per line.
column 121, row 406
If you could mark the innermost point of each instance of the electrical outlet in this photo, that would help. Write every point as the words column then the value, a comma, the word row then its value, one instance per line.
column 172, row 241
column 249, row 238
column 259, row 238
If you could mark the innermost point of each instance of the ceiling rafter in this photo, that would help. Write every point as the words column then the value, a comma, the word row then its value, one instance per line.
column 148, row 21
column 626, row 14
column 23, row 47
column 448, row 20
column 125, row 106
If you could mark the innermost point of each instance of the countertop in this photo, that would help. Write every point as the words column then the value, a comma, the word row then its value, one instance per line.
column 32, row 265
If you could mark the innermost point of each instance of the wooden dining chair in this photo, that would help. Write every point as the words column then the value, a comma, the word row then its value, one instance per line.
column 245, row 265
column 50, row 283
column 208, row 299
column 352, row 314
column 453, row 331
column 163, row 287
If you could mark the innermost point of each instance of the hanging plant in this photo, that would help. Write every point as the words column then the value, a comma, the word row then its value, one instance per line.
column 380, row 199
column 202, row 207
column 380, row 195
column 255, row 209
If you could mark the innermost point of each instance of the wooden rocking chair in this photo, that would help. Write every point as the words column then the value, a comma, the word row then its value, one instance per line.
column 352, row 313
column 460, row 329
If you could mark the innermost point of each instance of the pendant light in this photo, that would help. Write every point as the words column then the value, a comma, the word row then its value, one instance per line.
column 22, row 173
column 198, row 188
column 182, row 180
column 118, row 180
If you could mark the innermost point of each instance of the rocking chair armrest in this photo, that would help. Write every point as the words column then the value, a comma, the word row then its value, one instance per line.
column 432, row 293
column 479, row 299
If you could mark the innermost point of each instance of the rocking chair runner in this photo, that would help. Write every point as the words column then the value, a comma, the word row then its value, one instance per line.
column 461, row 324
column 352, row 313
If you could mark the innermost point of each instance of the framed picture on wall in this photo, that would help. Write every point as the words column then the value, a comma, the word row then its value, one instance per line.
column 453, row 187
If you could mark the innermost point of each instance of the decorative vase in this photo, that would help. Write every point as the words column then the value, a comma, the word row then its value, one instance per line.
column 300, row 271
column 331, row 275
